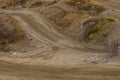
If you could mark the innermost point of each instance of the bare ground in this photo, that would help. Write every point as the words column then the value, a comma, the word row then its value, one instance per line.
column 67, row 63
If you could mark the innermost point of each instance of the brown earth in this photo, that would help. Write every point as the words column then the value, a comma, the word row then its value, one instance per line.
column 10, row 31
column 59, row 52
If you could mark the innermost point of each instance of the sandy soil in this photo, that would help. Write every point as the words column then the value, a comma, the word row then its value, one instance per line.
column 56, row 58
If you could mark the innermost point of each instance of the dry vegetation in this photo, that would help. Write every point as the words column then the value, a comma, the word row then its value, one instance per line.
column 69, row 40
column 83, row 21
column 70, row 14
column 10, row 31
column 76, row 19
column 12, row 3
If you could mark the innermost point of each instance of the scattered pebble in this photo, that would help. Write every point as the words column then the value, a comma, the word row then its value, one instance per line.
column 97, row 59
column 14, row 53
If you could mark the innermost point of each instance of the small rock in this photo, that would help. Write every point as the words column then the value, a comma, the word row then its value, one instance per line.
column 14, row 53
column 93, row 6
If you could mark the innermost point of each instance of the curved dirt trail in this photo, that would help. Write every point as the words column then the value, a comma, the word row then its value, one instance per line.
column 39, row 28
column 45, row 33
column 91, row 72
column 35, row 25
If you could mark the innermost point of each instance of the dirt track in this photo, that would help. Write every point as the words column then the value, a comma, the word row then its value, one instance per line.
column 91, row 72
column 48, row 37
column 35, row 25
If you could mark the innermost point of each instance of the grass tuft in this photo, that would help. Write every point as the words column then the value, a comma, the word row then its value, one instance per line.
column 97, row 27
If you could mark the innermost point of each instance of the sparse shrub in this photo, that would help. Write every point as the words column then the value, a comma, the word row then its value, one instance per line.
column 10, row 32
column 97, row 27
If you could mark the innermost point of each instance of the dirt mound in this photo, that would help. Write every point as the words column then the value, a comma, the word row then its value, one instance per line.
column 98, row 30
column 9, row 31
column 82, row 20
column 75, row 18
column 79, row 20
column 69, row 15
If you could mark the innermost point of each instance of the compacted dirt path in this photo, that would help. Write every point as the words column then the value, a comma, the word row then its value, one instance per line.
column 85, row 72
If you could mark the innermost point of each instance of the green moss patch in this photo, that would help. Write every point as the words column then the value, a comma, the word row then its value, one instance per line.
column 96, row 29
